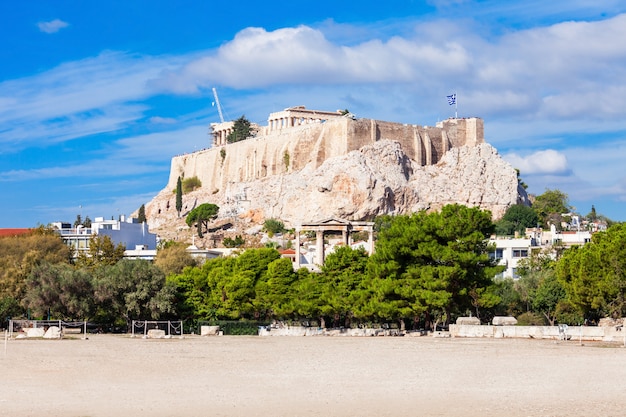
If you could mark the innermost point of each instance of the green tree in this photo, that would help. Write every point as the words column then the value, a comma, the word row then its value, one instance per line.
column 226, row 288
column 532, row 271
column 433, row 262
column 592, row 216
column 550, row 207
column 233, row 243
column 516, row 219
column 132, row 290
column 548, row 296
column 273, row 227
column 179, row 195
column 141, row 215
column 202, row 216
column 594, row 275
column 342, row 281
column 274, row 291
column 510, row 303
column 242, row 129
column 194, row 295
column 20, row 254
column 60, row 291
column 173, row 258
column 102, row 251
column 9, row 308
column 309, row 302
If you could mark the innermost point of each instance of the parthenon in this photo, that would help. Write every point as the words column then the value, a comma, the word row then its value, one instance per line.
column 290, row 117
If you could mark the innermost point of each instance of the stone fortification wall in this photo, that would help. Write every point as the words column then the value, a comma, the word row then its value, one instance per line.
column 341, row 168
column 288, row 150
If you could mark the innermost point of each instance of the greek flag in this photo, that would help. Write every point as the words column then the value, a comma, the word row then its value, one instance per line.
column 451, row 99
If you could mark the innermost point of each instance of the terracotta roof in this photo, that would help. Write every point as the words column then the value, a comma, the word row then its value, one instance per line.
column 13, row 232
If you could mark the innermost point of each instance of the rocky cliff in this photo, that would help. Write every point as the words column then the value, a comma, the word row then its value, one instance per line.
column 317, row 172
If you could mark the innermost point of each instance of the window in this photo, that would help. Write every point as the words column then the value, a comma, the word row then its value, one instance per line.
column 520, row 253
column 498, row 254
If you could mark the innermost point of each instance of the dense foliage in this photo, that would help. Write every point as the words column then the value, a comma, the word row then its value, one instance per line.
column 201, row 216
column 426, row 263
column 428, row 268
column 516, row 219
column 594, row 275
column 173, row 257
column 101, row 250
column 273, row 227
column 435, row 262
column 242, row 129
column 551, row 206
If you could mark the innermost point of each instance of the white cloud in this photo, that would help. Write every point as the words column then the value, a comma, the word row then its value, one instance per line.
column 162, row 120
column 541, row 162
column 52, row 26
column 258, row 58
column 126, row 157
column 78, row 98
column 564, row 71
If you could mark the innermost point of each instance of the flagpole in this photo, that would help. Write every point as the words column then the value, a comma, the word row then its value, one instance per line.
column 456, row 103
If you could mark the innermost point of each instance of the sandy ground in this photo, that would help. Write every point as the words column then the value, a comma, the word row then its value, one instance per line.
column 110, row 375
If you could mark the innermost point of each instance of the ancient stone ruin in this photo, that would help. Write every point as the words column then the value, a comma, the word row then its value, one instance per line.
column 307, row 165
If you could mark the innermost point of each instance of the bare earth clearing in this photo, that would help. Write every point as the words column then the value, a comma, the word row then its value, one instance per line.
column 310, row 376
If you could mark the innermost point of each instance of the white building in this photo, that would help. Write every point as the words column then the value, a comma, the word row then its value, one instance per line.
column 510, row 250
column 135, row 237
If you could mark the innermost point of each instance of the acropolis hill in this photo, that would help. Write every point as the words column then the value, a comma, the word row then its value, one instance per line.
column 307, row 166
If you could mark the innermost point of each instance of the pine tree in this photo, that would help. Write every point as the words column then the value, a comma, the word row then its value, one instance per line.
column 242, row 129
column 141, row 216
column 179, row 195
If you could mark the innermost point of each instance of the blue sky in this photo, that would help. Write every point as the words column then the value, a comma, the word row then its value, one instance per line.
column 96, row 97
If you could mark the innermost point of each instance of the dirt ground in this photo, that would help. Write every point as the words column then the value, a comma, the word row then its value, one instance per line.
column 109, row 375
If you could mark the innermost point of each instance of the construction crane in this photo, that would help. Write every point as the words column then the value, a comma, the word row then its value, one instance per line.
column 217, row 103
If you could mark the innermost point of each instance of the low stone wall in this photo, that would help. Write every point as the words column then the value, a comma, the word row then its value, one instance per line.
column 590, row 333
column 318, row 331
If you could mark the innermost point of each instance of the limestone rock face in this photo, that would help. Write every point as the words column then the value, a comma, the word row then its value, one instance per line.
column 377, row 178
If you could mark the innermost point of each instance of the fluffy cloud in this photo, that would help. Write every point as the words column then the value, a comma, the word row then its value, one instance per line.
column 52, row 26
column 564, row 71
column 541, row 162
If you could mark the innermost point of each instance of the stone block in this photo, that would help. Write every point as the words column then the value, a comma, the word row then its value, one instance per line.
column 156, row 334
column 35, row 332
column 53, row 332
column 468, row 321
column 209, row 330
column 504, row 321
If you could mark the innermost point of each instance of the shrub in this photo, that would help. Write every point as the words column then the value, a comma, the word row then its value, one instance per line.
column 530, row 319
column 273, row 226
column 190, row 184
column 233, row 243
